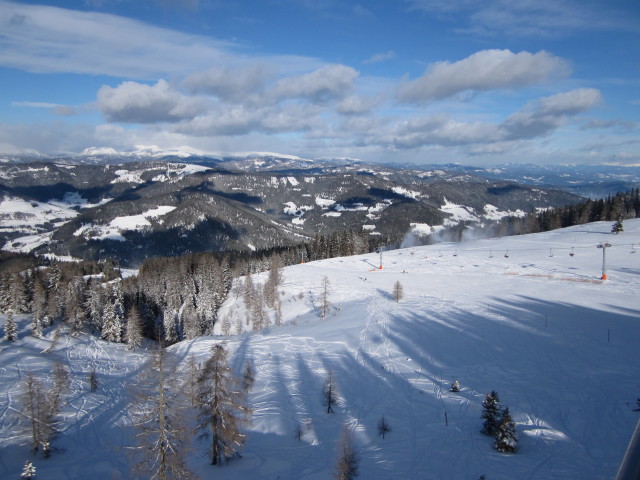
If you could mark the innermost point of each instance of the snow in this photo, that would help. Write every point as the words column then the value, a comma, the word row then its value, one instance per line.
column 491, row 212
column 560, row 347
column 406, row 193
column 324, row 202
column 459, row 213
column 113, row 231
column 17, row 213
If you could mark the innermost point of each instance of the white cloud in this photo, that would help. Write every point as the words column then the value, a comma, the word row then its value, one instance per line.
column 547, row 114
column 231, row 83
column 380, row 57
column 484, row 70
column 330, row 82
column 46, row 39
column 133, row 102
column 532, row 18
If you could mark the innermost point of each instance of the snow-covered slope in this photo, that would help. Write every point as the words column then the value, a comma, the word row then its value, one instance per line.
column 517, row 315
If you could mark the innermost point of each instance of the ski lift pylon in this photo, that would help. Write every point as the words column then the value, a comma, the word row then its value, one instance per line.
column 571, row 254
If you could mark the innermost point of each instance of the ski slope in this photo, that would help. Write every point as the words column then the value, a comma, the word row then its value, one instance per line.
column 518, row 315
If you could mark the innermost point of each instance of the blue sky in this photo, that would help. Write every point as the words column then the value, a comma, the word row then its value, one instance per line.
column 410, row 81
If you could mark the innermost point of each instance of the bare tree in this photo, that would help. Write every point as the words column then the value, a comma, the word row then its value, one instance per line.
column 93, row 380
column 383, row 427
column 325, row 304
column 41, row 406
column 347, row 465
column 33, row 408
column 221, row 406
column 397, row 292
column 161, row 441
column 329, row 392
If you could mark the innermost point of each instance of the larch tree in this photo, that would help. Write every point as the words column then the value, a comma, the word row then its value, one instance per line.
column 325, row 304
column 347, row 464
column 162, row 438
column 383, row 427
column 34, row 409
column 397, row 292
column 329, row 392
column 220, row 400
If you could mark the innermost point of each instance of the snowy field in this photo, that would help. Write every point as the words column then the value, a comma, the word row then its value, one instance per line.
column 517, row 315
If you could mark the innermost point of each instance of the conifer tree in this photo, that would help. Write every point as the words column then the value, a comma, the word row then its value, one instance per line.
column 28, row 471
column 10, row 327
column 506, row 438
column 347, row 465
column 618, row 227
column 133, row 333
column 161, row 442
column 490, row 413
column 221, row 404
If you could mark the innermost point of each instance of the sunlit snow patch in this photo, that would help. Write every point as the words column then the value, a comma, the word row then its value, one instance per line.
column 113, row 231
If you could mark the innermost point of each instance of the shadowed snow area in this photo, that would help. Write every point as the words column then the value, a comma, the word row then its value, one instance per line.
column 517, row 315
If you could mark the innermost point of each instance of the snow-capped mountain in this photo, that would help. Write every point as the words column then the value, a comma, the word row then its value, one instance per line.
column 135, row 210
column 517, row 315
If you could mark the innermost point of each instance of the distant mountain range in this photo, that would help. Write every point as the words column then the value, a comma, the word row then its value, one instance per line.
column 133, row 205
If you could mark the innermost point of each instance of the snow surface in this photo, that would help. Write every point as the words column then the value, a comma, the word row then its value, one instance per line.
column 517, row 315
column 115, row 228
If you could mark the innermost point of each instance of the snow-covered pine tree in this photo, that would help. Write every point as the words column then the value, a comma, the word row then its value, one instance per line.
column 220, row 400
column 28, row 471
column 490, row 413
column 133, row 333
column 347, row 464
column 455, row 386
column 74, row 305
column 398, row 291
column 329, row 392
column 10, row 327
column 17, row 294
column 36, row 327
column 618, row 227
column 94, row 305
column 162, row 439
column 112, row 318
column 506, row 438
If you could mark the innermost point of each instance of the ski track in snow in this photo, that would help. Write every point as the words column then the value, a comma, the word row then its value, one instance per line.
column 533, row 326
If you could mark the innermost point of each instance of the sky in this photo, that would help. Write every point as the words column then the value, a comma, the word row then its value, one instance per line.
column 397, row 81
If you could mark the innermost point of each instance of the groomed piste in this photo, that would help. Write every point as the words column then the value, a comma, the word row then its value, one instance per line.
column 528, row 317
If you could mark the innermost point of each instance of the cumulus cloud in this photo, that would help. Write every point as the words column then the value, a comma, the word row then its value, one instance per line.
column 482, row 71
column 330, row 82
column 534, row 120
column 133, row 102
column 239, row 120
column 231, row 83
column 547, row 114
